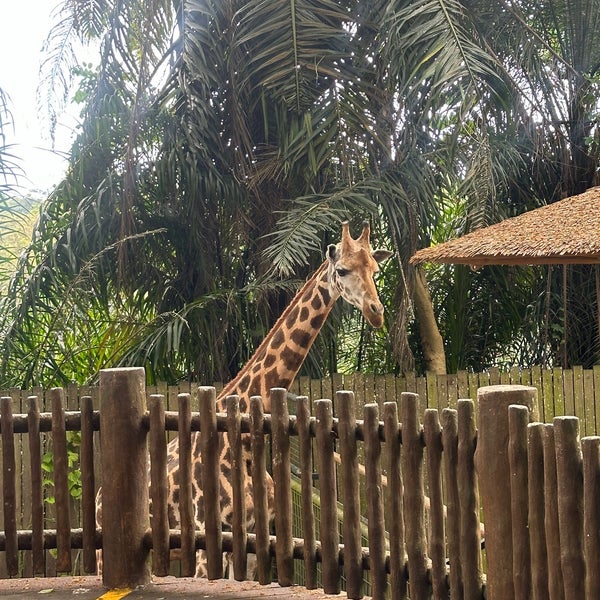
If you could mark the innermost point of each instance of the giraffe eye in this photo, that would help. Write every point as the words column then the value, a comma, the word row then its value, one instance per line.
column 342, row 272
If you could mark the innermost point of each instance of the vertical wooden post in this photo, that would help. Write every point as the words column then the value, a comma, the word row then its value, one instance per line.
column 88, row 512
column 125, row 514
column 590, row 447
column 376, row 525
column 186, row 502
column 414, row 497
column 518, row 418
column 491, row 461
column 395, row 498
column 259, row 485
column 556, row 586
column 9, row 486
column 159, row 486
column 537, row 509
column 569, row 475
column 37, row 495
column 211, row 444
column 61, row 483
column 437, row 547
column 306, row 468
column 284, row 548
column 450, row 442
column 238, row 487
column 346, row 406
column 329, row 516
column 470, row 527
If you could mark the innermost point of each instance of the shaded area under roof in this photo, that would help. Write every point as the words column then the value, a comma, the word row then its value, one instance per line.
column 567, row 231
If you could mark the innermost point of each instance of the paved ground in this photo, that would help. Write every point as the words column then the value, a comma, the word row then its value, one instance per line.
column 90, row 588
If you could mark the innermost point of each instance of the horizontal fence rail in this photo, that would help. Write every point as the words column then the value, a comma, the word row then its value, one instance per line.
column 411, row 483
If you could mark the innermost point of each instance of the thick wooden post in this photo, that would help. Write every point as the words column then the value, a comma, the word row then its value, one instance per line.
column 493, row 469
column 125, row 514
column 284, row 545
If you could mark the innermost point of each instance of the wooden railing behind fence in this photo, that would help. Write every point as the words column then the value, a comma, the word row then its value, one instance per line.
column 539, row 488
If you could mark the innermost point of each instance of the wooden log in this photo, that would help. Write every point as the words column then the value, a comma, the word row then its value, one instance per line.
column 450, row 443
column 569, row 474
column 88, row 512
column 329, row 517
column 306, row 474
column 125, row 499
column 210, row 442
column 376, row 525
column 9, row 485
column 259, row 485
column 414, row 497
column 37, row 492
column 159, row 486
column 437, row 544
column 187, row 510
column 518, row 419
column 591, row 516
column 470, row 526
column 61, row 481
column 351, row 530
column 537, row 532
column 493, row 469
column 284, row 548
column 238, row 488
column 395, row 497
column 555, row 575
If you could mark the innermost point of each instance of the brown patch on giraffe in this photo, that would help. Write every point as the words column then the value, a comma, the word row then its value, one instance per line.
column 257, row 367
column 277, row 340
column 302, row 338
column 244, row 383
column 292, row 317
column 269, row 361
column 291, row 358
column 325, row 294
column 303, row 314
column 271, row 379
column 316, row 303
column 317, row 321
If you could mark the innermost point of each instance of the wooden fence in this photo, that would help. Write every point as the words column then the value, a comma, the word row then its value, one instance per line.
column 539, row 489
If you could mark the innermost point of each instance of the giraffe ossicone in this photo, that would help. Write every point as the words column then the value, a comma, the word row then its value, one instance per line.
column 348, row 272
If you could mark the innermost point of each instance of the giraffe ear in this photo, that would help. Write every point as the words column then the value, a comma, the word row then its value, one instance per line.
column 381, row 255
column 332, row 252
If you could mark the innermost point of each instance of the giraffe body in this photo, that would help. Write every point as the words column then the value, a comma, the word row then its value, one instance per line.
column 348, row 272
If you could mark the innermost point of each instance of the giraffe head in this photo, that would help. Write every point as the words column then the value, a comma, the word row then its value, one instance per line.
column 352, row 266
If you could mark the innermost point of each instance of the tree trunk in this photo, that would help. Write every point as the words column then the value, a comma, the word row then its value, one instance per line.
column 431, row 339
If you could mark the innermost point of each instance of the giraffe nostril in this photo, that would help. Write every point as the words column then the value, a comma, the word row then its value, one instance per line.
column 377, row 307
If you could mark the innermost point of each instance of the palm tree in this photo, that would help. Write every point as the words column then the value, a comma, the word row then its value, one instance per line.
column 221, row 144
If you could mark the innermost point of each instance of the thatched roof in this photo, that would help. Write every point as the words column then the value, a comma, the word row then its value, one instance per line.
column 567, row 231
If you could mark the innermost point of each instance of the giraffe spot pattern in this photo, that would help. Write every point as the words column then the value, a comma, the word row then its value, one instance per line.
column 277, row 340
column 292, row 317
column 300, row 337
column 317, row 321
column 291, row 358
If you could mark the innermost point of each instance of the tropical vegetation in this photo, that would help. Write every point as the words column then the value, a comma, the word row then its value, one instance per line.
column 222, row 142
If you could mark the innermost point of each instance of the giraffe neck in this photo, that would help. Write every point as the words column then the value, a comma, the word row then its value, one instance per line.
column 279, row 357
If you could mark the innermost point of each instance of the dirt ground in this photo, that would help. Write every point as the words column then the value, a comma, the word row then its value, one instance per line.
column 90, row 588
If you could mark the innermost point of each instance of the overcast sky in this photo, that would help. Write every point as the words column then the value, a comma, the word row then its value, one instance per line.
column 24, row 25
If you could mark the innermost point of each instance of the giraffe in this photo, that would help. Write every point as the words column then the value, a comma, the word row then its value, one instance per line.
column 348, row 272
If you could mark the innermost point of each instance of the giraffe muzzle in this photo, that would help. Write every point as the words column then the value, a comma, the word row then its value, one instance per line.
column 373, row 313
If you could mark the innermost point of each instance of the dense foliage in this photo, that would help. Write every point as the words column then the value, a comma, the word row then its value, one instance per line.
column 222, row 142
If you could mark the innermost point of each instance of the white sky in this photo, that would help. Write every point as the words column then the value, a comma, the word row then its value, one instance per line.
column 24, row 26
